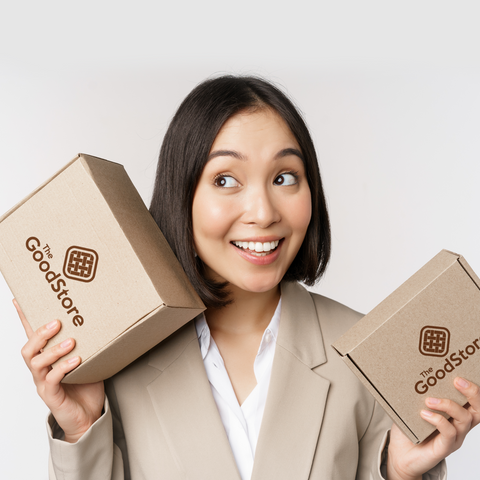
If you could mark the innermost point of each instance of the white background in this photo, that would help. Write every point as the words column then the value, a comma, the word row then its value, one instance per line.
column 390, row 90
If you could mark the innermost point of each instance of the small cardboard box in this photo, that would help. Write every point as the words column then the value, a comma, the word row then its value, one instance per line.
column 84, row 249
column 414, row 343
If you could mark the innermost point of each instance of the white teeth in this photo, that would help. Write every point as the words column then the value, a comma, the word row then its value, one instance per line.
column 257, row 247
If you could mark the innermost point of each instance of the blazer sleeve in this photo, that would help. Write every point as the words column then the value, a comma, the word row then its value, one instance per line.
column 372, row 446
column 93, row 457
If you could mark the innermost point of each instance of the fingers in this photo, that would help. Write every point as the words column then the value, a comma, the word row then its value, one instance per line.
column 26, row 325
column 39, row 362
column 46, row 378
column 56, row 374
column 75, row 408
column 453, row 432
column 460, row 423
column 38, row 340
column 472, row 393
column 50, row 356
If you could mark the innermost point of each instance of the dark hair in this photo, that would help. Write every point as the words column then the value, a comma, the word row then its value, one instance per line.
column 185, row 152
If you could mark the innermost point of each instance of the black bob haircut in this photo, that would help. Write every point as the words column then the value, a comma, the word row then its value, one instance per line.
column 184, row 153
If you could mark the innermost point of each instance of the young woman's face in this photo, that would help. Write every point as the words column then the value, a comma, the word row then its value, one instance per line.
column 252, row 205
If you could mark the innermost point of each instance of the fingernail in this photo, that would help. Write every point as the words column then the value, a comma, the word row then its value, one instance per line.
column 52, row 325
column 426, row 413
column 73, row 360
column 433, row 401
column 66, row 343
column 462, row 383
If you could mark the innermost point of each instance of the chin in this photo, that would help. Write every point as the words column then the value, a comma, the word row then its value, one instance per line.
column 258, row 285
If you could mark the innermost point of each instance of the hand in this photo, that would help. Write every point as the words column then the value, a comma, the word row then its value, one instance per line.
column 75, row 407
column 407, row 461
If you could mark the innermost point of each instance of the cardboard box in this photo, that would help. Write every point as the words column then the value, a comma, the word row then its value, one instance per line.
column 413, row 344
column 84, row 249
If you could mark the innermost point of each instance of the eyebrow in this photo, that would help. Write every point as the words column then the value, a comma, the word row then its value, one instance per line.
column 232, row 153
column 286, row 152
column 226, row 153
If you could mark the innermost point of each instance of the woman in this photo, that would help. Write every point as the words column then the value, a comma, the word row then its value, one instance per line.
column 238, row 196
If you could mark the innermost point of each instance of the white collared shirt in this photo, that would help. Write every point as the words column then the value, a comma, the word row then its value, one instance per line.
column 242, row 423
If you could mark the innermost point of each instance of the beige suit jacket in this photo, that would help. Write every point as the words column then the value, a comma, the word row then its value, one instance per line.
column 161, row 421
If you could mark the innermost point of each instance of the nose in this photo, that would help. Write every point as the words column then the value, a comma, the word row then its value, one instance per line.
column 261, row 208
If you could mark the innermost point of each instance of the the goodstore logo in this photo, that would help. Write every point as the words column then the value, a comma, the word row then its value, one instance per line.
column 80, row 264
column 434, row 341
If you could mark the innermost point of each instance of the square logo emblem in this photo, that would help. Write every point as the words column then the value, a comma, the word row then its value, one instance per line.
column 434, row 341
column 80, row 264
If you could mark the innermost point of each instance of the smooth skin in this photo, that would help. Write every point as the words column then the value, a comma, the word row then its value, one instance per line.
column 75, row 407
column 253, row 188
column 405, row 459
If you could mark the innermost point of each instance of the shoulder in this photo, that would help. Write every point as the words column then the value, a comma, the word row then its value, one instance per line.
column 323, row 321
column 334, row 318
column 311, row 323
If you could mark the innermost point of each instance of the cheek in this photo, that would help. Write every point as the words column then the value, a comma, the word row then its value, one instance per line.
column 300, row 213
column 210, row 218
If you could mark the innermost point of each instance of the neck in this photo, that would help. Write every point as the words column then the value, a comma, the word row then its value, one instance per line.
column 248, row 312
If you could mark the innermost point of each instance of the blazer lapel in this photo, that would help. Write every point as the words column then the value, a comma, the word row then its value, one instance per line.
column 297, row 395
column 187, row 412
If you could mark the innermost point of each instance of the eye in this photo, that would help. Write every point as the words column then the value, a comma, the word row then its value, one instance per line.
column 287, row 178
column 225, row 181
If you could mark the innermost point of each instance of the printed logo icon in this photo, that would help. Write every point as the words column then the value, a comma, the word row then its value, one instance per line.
column 434, row 341
column 80, row 264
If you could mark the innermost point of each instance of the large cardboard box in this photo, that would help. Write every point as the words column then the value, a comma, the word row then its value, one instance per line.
column 84, row 249
column 413, row 344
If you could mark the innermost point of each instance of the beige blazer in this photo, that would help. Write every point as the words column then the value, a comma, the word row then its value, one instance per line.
column 161, row 421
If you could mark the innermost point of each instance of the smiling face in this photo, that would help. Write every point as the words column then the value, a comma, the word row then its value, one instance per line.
column 252, row 204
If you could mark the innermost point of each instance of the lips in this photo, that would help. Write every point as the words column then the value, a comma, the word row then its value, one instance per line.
column 258, row 249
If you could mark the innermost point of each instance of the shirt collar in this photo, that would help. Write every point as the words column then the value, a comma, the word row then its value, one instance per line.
column 270, row 333
column 203, row 334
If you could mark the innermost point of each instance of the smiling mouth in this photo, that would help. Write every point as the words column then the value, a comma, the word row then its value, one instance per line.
column 258, row 249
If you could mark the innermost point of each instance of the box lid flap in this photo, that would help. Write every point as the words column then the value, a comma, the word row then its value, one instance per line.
column 19, row 204
column 395, row 301
column 143, row 234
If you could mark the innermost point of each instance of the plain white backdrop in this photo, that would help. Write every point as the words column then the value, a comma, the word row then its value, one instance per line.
column 390, row 91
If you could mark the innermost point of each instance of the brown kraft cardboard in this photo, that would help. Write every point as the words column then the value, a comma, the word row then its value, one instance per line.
column 414, row 343
column 84, row 249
